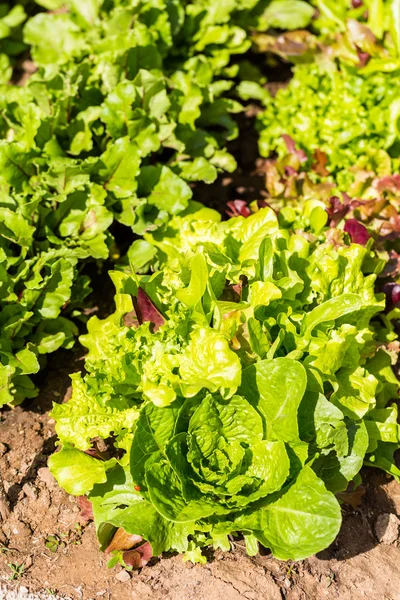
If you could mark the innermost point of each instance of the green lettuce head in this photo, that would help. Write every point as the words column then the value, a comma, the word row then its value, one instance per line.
column 244, row 385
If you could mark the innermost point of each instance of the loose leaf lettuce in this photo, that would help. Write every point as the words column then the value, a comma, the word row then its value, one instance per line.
column 122, row 111
column 253, row 403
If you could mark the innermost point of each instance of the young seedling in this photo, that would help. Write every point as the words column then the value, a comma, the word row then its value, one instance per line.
column 331, row 578
column 54, row 542
column 17, row 570
column 76, row 534
column 291, row 570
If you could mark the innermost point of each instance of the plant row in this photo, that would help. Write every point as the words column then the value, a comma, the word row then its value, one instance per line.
column 246, row 374
column 114, row 125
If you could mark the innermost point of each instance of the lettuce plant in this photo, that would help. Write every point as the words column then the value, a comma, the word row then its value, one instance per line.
column 38, row 295
column 310, row 110
column 349, row 59
column 336, row 168
column 364, row 34
column 125, row 111
column 307, row 198
column 239, row 388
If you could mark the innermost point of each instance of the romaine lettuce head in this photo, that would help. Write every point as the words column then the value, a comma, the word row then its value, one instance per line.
column 239, row 388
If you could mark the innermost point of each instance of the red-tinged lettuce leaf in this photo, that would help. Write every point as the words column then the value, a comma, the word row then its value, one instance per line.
column 361, row 36
column 86, row 508
column 390, row 183
column 392, row 292
column 357, row 231
column 396, row 294
column 391, row 227
column 123, row 541
column 337, row 210
column 320, row 162
column 364, row 58
column 291, row 147
column 238, row 208
column 290, row 171
column 139, row 557
column 146, row 311
column 294, row 46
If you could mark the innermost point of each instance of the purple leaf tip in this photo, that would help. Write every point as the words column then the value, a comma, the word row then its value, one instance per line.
column 357, row 231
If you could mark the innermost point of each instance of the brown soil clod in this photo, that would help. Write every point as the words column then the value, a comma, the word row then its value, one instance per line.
column 5, row 509
column 387, row 528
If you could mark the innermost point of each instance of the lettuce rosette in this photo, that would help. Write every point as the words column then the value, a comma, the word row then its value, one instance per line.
column 310, row 110
column 237, row 389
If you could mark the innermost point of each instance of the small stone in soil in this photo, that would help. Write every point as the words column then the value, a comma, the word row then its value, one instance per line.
column 123, row 576
column 392, row 490
column 387, row 528
column 17, row 531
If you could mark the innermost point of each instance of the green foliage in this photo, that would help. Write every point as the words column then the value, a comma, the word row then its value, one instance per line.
column 125, row 111
column 12, row 18
column 17, row 570
column 257, row 379
column 288, row 14
column 256, row 400
column 365, row 137
column 349, row 58
column 343, row 164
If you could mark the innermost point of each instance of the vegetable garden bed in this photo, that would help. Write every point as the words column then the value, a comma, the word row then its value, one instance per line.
column 356, row 566
column 207, row 194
